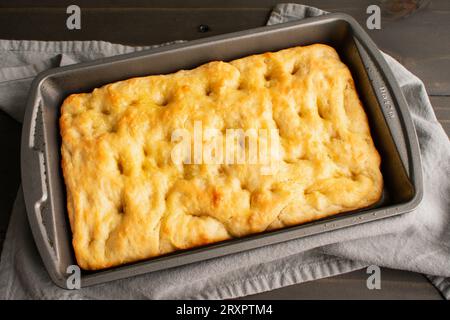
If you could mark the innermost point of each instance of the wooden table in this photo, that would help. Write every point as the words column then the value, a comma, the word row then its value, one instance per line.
column 420, row 41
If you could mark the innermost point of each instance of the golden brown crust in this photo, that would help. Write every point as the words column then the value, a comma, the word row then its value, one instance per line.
column 128, row 201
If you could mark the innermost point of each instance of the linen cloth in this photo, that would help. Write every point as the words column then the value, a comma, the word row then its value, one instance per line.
column 417, row 241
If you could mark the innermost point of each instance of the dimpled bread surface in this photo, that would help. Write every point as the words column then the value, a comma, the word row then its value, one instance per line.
column 128, row 200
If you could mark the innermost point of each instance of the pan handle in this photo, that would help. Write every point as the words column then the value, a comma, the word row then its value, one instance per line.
column 393, row 103
column 35, row 187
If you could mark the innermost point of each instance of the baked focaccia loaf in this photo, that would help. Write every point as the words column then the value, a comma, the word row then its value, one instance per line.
column 128, row 199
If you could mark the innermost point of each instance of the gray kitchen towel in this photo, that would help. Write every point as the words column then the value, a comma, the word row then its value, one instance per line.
column 417, row 241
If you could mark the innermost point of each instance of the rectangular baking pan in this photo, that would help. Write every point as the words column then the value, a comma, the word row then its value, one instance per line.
column 389, row 119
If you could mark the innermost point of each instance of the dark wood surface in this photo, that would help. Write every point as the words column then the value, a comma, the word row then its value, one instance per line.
column 395, row 284
column 417, row 37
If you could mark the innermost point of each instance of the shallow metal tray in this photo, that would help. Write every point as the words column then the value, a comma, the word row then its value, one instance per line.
column 389, row 119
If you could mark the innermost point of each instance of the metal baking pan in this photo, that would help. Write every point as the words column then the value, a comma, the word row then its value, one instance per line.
column 389, row 119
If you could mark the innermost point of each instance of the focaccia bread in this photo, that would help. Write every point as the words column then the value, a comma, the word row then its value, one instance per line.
column 129, row 200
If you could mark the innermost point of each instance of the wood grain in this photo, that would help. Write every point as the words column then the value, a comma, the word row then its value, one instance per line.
column 419, row 41
column 395, row 284
column 441, row 106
